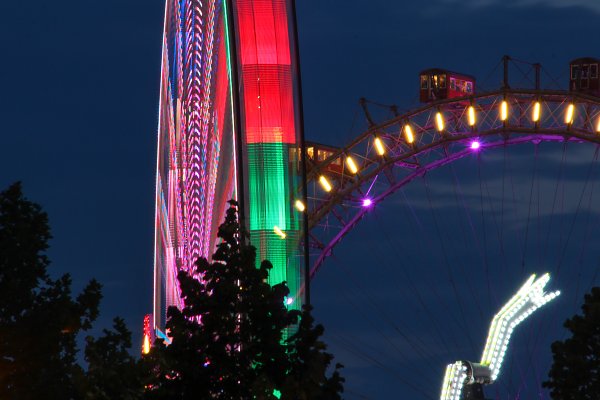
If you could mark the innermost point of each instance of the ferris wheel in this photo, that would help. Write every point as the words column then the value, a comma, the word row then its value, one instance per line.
column 481, row 190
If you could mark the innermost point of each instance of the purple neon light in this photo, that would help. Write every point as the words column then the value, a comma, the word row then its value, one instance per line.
column 367, row 203
column 557, row 137
column 475, row 145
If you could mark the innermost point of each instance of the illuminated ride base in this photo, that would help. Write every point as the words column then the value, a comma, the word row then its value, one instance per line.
column 229, row 128
column 464, row 379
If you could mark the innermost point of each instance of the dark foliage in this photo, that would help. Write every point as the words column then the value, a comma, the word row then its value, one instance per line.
column 238, row 350
column 112, row 372
column 39, row 318
column 307, row 377
column 575, row 372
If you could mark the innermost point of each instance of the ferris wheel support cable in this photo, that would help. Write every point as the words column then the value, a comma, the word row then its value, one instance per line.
column 564, row 251
column 421, row 228
column 464, row 273
column 553, row 321
column 539, row 223
column 544, row 324
column 484, row 234
column 414, row 290
column 504, row 263
column 485, row 80
column 461, row 204
column 525, row 239
column 525, row 75
column 552, row 78
column 587, row 235
column 532, row 335
column 386, row 318
column 448, row 268
column 555, row 197
column 326, row 250
column 393, row 372
column 497, row 228
column 379, row 331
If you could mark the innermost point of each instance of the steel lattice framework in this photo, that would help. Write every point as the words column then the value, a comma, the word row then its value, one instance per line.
column 389, row 155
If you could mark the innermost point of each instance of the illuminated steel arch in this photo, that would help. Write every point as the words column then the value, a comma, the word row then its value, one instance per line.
column 229, row 127
column 350, row 181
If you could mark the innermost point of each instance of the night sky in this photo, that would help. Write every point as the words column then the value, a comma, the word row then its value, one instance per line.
column 79, row 103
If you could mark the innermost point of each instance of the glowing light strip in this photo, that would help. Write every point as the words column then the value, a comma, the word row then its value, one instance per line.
column 439, row 121
column 268, row 186
column 454, row 380
column 299, row 205
column 536, row 111
column 191, row 164
column 325, row 183
column 147, row 335
column 408, row 134
column 379, row 146
column 157, row 267
column 270, row 133
column 471, row 116
column 529, row 298
column 503, row 111
column 351, row 165
column 279, row 232
column 570, row 114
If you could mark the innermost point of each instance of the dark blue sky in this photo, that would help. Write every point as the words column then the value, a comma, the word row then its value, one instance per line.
column 79, row 102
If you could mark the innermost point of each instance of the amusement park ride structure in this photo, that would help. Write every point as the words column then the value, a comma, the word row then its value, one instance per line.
column 465, row 379
column 353, row 179
column 230, row 126
column 346, row 183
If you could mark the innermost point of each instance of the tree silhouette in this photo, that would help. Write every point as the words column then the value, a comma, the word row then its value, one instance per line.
column 39, row 318
column 228, row 339
column 575, row 372
column 112, row 372
column 307, row 377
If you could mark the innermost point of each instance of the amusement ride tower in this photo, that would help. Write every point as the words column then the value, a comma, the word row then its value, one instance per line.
column 229, row 128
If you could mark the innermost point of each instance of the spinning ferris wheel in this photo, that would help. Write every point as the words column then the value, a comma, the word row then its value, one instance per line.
column 464, row 180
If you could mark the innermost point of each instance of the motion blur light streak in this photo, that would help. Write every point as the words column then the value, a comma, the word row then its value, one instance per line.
column 205, row 54
column 195, row 167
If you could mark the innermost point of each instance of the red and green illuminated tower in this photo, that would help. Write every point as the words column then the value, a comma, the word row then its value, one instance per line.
column 229, row 127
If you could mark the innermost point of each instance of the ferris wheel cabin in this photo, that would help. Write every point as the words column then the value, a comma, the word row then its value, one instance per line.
column 584, row 76
column 317, row 153
column 439, row 84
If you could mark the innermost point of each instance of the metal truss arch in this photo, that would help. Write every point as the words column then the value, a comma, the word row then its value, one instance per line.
column 408, row 146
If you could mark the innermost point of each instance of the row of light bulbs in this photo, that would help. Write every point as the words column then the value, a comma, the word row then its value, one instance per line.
column 440, row 125
column 409, row 134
